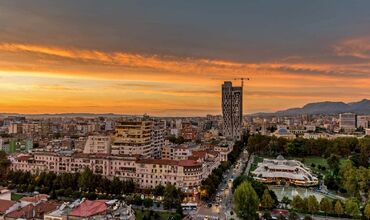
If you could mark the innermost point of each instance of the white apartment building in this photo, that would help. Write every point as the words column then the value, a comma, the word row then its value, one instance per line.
column 348, row 121
column 98, row 145
column 363, row 121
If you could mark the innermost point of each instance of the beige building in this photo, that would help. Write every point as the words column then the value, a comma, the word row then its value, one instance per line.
column 142, row 137
column 171, row 152
column 98, row 145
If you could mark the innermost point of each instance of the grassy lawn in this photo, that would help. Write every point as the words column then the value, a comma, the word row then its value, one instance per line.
column 318, row 161
column 315, row 160
column 16, row 197
column 162, row 215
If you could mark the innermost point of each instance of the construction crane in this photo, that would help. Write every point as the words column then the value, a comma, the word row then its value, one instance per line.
column 241, row 79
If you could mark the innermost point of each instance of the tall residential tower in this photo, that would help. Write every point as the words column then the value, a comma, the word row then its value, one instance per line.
column 232, row 110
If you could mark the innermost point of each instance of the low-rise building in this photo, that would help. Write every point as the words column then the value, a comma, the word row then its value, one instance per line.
column 89, row 209
column 31, row 211
column 5, row 207
column 281, row 171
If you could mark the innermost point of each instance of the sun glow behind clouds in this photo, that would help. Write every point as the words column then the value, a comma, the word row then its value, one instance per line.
column 39, row 79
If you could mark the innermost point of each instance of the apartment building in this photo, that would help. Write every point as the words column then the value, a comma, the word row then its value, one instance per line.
column 348, row 121
column 173, row 152
column 98, row 145
column 189, row 132
column 147, row 173
column 140, row 137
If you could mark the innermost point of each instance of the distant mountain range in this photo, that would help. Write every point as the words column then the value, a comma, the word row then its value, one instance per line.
column 361, row 107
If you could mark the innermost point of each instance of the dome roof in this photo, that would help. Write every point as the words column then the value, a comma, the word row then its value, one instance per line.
column 282, row 131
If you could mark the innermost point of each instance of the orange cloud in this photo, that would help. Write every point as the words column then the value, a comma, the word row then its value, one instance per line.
column 356, row 47
column 188, row 65
column 123, row 82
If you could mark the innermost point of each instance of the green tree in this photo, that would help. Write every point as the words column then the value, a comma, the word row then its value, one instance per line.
column 363, row 177
column 326, row 205
column 238, row 180
column 367, row 210
column 297, row 203
column 267, row 201
column 352, row 208
column 333, row 163
column 116, row 186
column 159, row 190
column 172, row 197
column 4, row 164
column 86, row 181
column 338, row 208
column 312, row 204
column 246, row 201
column 349, row 178
column 364, row 151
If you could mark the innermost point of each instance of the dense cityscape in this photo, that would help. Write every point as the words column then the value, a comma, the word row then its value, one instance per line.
column 202, row 167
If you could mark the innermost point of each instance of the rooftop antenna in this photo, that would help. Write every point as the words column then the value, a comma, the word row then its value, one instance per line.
column 242, row 80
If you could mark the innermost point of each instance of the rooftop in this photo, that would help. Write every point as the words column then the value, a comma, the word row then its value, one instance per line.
column 90, row 208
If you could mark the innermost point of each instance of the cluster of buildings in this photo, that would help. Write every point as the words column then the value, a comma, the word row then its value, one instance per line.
column 281, row 171
column 40, row 207
column 311, row 126
column 131, row 148
column 137, row 150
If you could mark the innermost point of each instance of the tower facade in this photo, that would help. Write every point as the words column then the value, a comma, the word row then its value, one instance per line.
column 232, row 110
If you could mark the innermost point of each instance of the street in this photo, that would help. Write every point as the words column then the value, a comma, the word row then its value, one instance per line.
column 222, row 203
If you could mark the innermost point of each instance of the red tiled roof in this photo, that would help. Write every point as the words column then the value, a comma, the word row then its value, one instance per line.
column 89, row 208
column 5, row 205
column 189, row 163
column 24, row 157
column 25, row 212
column 30, row 211
column 199, row 153
column 45, row 207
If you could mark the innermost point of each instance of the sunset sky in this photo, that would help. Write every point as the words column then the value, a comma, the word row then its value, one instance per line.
column 171, row 57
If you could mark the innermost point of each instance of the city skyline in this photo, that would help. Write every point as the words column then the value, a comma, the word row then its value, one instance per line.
column 170, row 58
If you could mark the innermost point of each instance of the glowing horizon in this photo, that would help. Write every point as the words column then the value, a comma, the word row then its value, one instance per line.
column 70, row 70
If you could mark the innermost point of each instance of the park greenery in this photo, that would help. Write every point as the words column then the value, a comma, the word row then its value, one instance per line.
column 246, row 201
column 342, row 163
